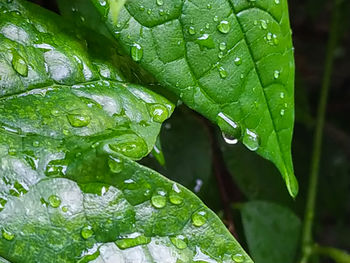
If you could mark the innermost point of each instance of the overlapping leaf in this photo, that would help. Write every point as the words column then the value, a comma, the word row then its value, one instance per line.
column 70, row 127
column 232, row 61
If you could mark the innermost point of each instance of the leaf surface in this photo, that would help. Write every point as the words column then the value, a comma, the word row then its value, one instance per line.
column 272, row 232
column 232, row 61
column 70, row 127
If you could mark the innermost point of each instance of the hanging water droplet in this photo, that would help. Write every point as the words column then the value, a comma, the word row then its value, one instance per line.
column 229, row 139
column 199, row 218
column 238, row 61
column 223, row 73
column 251, row 140
column 160, row 2
column 159, row 112
column 132, row 241
column 276, row 74
column 87, row 232
column 19, row 64
column 174, row 196
column 158, row 199
column 54, row 201
column 7, row 235
column 78, row 121
column 238, row 258
column 191, row 30
column 115, row 165
column 179, row 241
column 230, row 128
column 224, row 27
column 136, row 52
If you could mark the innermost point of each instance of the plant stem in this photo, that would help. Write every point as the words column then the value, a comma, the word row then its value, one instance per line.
column 307, row 240
column 339, row 256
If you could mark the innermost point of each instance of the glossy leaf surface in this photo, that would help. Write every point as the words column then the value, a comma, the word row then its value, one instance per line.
column 232, row 61
column 70, row 127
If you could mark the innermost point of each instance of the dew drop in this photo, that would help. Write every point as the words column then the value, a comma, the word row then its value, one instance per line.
column 229, row 127
column 222, row 46
column 263, row 24
column 251, row 140
column 276, row 74
column 282, row 112
column 179, row 241
column 115, row 165
column 87, row 232
column 282, row 95
column 277, row 2
column 54, row 201
column 130, row 145
column 223, row 73
column 238, row 61
column 205, row 41
column 160, row 2
column 191, row 30
column 78, row 121
column 216, row 18
column 136, row 52
column 229, row 139
column 238, row 258
column 132, row 241
column 7, row 235
column 159, row 112
column 199, row 218
column 19, row 64
column 209, row 6
column 65, row 209
column 174, row 196
column 224, row 27
column 158, row 199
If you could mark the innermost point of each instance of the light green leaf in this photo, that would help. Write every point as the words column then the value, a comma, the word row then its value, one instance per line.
column 232, row 61
column 272, row 232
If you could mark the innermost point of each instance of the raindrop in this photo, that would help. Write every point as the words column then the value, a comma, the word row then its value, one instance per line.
column 158, row 199
column 191, row 30
column 199, row 218
column 174, row 195
column 222, row 46
column 251, row 140
column 263, row 24
column 205, row 41
column 19, row 64
column 136, row 52
column 87, row 232
column 132, row 241
column 230, row 128
column 179, row 241
column 54, row 201
column 78, row 121
column 223, row 73
column 224, row 27
column 277, row 2
column 276, row 74
column 160, row 2
column 238, row 258
column 130, row 145
column 282, row 112
column 282, row 95
column 209, row 6
column 229, row 139
column 238, row 61
column 65, row 209
column 115, row 165
column 7, row 235
column 159, row 112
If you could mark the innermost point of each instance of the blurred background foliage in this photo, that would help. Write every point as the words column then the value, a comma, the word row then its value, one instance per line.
column 246, row 191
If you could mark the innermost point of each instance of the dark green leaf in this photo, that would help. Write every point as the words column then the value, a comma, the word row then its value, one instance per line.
column 232, row 61
column 272, row 232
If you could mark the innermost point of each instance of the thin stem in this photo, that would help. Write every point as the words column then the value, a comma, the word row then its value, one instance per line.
column 339, row 256
column 307, row 240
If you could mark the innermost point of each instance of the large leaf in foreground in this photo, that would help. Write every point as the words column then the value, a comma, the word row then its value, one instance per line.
column 108, row 208
column 59, row 92
column 232, row 61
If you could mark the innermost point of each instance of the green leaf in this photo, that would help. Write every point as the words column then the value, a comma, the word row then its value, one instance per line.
column 70, row 127
column 107, row 206
column 70, row 95
column 272, row 232
column 232, row 61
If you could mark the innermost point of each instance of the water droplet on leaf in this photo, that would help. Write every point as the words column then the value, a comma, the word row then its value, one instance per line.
column 78, row 121
column 159, row 112
column 136, row 52
column 158, row 199
column 224, row 27
column 251, row 140
column 87, row 232
column 54, row 201
column 179, row 241
column 199, row 218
